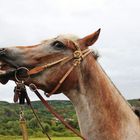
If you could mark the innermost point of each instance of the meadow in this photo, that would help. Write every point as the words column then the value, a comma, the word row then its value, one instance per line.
column 9, row 116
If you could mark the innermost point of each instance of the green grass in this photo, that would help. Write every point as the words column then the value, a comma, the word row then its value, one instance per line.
column 57, row 138
column 45, row 138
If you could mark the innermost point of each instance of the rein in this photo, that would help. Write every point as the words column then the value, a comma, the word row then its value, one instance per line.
column 20, row 90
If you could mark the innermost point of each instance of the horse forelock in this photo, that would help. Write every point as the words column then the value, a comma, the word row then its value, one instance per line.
column 71, row 37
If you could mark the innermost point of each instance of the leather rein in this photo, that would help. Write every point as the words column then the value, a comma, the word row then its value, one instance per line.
column 20, row 89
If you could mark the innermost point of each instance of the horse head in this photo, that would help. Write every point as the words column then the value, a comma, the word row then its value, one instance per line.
column 46, row 52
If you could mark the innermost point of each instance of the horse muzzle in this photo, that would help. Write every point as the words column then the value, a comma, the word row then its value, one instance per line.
column 6, row 69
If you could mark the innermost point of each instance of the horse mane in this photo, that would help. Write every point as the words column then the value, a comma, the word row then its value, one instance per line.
column 95, row 54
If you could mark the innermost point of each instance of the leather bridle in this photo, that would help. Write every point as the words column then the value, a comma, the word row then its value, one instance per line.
column 77, row 57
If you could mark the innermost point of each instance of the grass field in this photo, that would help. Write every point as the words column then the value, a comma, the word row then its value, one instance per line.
column 53, row 138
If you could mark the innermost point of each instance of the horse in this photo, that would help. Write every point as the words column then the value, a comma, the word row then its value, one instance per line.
column 102, row 112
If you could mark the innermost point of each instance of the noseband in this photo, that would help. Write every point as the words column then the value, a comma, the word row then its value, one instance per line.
column 77, row 57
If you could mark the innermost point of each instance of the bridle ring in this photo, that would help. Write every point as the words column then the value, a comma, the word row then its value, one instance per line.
column 21, row 74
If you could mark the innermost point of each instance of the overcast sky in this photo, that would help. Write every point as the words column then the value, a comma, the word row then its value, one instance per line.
column 27, row 22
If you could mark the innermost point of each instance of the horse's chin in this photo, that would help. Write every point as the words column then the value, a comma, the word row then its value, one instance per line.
column 6, row 72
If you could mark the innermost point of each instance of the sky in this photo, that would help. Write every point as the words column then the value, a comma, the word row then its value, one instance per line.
column 31, row 21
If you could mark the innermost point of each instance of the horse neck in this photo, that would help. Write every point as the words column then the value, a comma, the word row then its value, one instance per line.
column 102, row 111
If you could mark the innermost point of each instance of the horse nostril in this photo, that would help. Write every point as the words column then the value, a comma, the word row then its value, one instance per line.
column 2, row 51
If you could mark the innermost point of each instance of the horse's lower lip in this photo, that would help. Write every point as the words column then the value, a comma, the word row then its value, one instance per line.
column 3, row 81
column 6, row 71
column 4, row 78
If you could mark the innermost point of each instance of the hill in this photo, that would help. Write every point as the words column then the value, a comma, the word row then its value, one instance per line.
column 9, row 118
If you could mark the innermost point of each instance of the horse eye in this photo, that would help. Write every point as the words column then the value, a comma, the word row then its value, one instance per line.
column 58, row 45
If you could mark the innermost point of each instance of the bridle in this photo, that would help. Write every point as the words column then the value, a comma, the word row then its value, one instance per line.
column 77, row 57
column 22, row 74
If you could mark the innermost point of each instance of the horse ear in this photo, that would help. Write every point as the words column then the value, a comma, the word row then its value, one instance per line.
column 90, row 39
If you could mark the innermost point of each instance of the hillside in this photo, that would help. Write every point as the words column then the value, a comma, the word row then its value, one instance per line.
column 9, row 116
